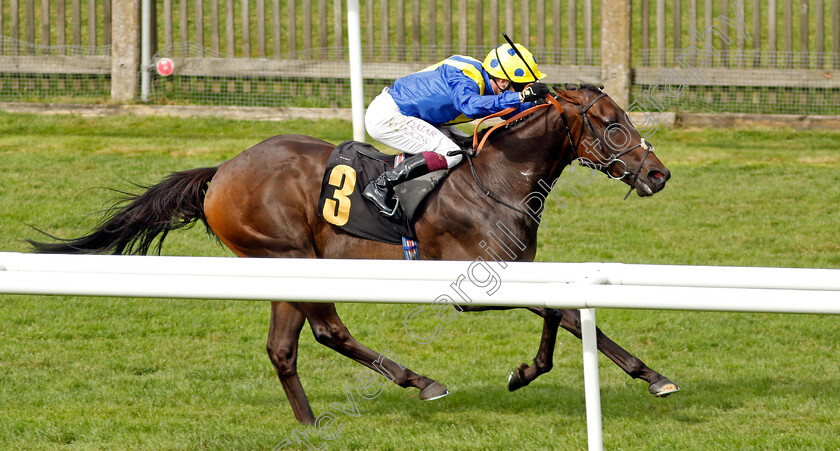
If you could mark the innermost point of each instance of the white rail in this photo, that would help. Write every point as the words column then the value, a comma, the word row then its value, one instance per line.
column 556, row 285
column 617, row 273
column 733, row 289
column 374, row 290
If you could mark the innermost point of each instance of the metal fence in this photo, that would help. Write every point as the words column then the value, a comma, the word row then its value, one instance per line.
column 766, row 56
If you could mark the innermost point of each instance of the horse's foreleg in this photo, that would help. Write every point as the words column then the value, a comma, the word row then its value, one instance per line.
column 283, row 333
column 632, row 365
column 524, row 374
column 330, row 331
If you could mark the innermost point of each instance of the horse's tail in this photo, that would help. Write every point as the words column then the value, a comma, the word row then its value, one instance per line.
column 132, row 224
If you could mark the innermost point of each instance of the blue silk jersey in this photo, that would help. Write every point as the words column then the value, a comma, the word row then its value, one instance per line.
column 453, row 91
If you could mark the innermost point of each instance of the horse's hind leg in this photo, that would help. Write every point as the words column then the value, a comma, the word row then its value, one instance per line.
column 632, row 365
column 331, row 332
column 283, row 333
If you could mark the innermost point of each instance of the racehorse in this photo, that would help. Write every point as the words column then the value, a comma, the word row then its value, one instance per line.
column 262, row 203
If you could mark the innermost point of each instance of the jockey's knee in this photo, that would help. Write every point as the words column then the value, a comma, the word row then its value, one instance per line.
column 452, row 161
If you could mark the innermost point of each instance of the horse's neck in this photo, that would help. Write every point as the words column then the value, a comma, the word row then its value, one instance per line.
column 526, row 159
column 517, row 167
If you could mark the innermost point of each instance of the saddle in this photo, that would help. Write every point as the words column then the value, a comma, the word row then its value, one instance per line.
column 351, row 166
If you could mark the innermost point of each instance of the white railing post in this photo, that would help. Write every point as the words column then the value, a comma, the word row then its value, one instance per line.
column 354, row 46
column 591, row 380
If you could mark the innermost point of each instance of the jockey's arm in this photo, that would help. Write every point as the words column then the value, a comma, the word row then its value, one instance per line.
column 465, row 95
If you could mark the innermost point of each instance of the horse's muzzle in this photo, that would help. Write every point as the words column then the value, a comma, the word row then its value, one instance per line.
column 652, row 181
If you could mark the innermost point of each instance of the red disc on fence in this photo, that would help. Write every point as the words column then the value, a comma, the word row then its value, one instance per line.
column 165, row 67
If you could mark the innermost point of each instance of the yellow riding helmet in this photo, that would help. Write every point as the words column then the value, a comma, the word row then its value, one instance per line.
column 503, row 62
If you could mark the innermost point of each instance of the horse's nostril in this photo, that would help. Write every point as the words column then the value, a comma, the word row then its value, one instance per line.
column 657, row 177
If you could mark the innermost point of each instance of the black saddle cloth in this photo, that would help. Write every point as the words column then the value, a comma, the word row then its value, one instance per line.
column 352, row 165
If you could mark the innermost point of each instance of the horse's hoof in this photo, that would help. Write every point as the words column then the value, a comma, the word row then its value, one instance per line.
column 515, row 380
column 435, row 390
column 663, row 388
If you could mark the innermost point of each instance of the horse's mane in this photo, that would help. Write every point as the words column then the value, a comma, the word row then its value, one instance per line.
column 507, row 127
column 584, row 86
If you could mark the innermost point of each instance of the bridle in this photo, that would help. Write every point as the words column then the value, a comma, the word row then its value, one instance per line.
column 613, row 157
column 553, row 101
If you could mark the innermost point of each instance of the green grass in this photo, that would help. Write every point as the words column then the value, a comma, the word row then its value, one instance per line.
column 102, row 373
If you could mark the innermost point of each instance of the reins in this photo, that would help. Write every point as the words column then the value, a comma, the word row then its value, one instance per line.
column 478, row 146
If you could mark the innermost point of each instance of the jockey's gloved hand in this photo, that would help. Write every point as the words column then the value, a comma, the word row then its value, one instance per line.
column 533, row 92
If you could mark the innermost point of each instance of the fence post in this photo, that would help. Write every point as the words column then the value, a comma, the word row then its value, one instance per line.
column 615, row 50
column 125, row 50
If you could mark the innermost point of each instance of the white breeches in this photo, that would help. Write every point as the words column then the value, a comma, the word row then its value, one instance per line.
column 386, row 124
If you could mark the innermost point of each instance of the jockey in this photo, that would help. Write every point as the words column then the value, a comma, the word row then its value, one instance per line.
column 417, row 112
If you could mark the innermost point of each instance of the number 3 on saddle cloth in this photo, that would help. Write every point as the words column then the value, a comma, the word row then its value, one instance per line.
column 352, row 165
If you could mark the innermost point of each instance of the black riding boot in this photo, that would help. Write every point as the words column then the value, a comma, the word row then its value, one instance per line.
column 381, row 190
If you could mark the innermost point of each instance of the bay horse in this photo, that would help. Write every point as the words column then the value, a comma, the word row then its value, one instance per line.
column 262, row 203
